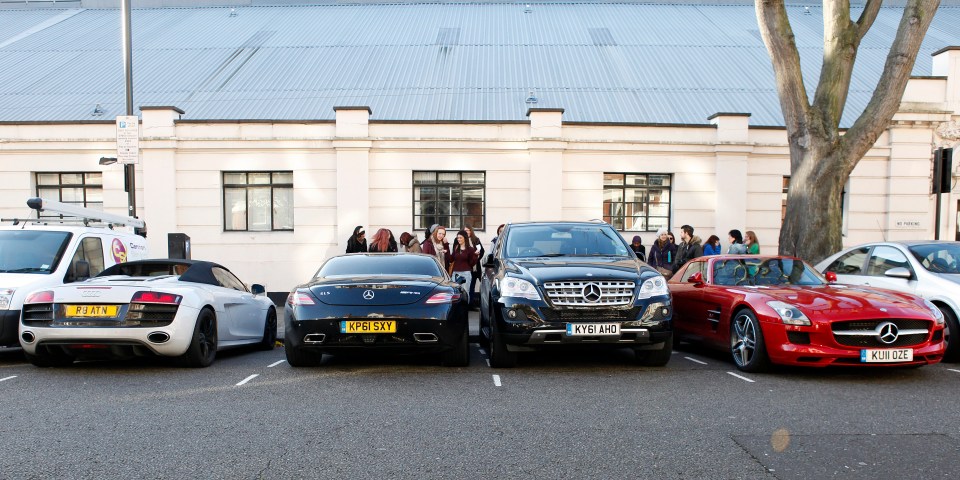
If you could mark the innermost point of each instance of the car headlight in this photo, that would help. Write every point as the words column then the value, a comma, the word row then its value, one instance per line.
column 519, row 288
column 937, row 314
column 654, row 287
column 789, row 314
column 6, row 297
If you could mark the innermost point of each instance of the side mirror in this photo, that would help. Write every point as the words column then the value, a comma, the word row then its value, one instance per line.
column 831, row 277
column 81, row 270
column 899, row 272
column 459, row 279
column 696, row 279
column 257, row 289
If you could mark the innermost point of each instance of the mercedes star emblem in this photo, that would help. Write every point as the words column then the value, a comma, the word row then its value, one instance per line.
column 368, row 295
column 591, row 293
column 887, row 332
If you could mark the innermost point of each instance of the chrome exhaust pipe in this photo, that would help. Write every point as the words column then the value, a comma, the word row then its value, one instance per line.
column 158, row 337
column 28, row 337
column 314, row 338
column 425, row 337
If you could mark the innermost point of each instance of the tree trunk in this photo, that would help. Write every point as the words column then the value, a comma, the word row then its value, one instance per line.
column 812, row 227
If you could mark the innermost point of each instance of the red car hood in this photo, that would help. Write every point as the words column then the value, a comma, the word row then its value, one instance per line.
column 844, row 301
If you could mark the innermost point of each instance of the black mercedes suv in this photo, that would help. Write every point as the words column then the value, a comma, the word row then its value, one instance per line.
column 561, row 284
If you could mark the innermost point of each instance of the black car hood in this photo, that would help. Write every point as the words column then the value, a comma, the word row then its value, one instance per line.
column 566, row 268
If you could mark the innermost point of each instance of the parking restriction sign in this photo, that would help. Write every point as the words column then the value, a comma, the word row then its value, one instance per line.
column 128, row 139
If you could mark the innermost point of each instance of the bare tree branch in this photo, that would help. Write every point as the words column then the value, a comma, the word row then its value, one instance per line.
column 885, row 101
column 781, row 44
column 840, row 43
column 867, row 16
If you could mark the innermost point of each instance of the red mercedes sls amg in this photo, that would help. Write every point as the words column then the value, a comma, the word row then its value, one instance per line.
column 779, row 310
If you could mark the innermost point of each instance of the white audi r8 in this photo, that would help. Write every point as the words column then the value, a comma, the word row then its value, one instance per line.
column 177, row 308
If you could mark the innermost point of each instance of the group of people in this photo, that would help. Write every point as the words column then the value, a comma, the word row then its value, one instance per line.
column 462, row 259
column 667, row 256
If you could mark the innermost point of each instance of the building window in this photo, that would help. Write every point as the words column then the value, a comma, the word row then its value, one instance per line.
column 257, row 201
column 451, row 199
column 783, row 199
column 83, row 189
column 637, row 202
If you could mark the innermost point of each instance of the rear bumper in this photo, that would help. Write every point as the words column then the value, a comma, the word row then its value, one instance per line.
column 412, row 336
column 180, row 333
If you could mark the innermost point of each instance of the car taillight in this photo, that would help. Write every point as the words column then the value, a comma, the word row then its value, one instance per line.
column 45, row 296
column 443, row 298
column 156, row 297
column 300, row 297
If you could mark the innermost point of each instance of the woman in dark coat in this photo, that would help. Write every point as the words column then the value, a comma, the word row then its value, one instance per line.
column 358, row 241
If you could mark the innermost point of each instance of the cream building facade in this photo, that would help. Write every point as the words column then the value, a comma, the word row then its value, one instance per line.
column 354, row 171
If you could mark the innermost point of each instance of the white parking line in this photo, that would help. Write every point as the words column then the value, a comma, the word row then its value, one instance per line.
column 488, row 362
column 245, row 380
column 482, row 352
column 7, row 378
column 694, row 360
column 951, row 369
column 274, row 364
column 741, row 377
column 496, row 380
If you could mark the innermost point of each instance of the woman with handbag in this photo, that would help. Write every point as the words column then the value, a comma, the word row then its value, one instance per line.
column 464, row 257
column 662, row 253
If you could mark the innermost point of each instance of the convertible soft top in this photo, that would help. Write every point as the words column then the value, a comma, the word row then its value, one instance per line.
column 196, row 271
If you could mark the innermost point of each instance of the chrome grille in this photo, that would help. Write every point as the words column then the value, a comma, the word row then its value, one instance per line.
column 589, row 292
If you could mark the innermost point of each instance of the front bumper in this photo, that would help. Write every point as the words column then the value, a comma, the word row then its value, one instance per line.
column 822, row 351
column 524, row 324
column 180, row 333
column 9, row 321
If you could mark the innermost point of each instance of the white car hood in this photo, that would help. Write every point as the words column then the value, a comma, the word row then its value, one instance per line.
column 16, row 280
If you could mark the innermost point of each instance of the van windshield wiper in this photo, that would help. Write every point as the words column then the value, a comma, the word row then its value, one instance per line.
column 26, row 270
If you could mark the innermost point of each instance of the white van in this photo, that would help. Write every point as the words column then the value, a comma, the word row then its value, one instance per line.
column 36, row 254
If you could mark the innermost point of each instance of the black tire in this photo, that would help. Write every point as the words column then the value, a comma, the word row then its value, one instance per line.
column 300, row 358
column 203, row 347
column 951, row 329
column 269, row 331
column 500, row 357
column 747, row 347
column 46, row 357
column 655, row 358
column 459, row 355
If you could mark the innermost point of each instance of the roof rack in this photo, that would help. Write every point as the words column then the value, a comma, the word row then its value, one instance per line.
column 82, row 215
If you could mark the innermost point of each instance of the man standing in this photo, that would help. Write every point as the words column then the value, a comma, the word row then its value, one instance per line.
column 690, row 247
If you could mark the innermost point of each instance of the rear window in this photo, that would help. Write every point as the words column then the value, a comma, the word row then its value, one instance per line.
column 390, row 265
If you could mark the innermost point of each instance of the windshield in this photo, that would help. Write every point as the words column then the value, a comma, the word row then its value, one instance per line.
column 563, row 240
column 938, row 257
column 765, row 271
column 31, row 251
column 390, row 265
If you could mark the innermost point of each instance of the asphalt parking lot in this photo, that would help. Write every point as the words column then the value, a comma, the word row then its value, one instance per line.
column 558, row 415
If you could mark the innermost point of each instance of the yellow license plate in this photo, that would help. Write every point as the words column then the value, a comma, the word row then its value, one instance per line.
column 368, row 326
column 92, row 310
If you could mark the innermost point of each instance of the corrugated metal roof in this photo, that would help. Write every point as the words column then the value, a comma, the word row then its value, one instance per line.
column 601, row 62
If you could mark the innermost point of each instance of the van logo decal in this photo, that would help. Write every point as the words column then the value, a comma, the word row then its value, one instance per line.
column 118, row 250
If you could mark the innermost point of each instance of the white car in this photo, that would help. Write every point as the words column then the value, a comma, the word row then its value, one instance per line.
column 928, row 268
column 177, row 308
